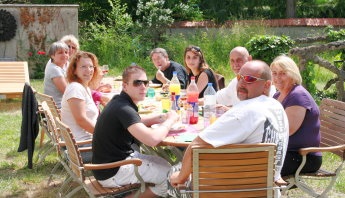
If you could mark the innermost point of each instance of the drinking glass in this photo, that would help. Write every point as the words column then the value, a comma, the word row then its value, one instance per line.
column 105, row 69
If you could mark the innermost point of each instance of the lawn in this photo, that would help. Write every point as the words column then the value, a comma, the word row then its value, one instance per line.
column 19, row 181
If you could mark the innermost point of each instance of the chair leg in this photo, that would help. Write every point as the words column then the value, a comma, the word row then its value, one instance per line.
column 42, row 137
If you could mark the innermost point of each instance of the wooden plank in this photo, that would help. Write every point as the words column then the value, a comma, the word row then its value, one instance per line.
column 257, row 167
column 13, row 76
column 232, row 162
column 211, row 156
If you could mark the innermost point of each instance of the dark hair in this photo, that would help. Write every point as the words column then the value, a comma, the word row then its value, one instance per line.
column 132, row 69
column 197, row 51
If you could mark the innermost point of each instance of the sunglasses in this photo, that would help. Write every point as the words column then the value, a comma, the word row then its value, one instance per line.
column 248, row 79
column 138, row 83
column 195, row 48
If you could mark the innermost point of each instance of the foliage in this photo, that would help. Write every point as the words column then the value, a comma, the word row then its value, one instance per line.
column 267, row 47
column 333, row 35
column 37, row 60
column 309, row 78
column 153, row 19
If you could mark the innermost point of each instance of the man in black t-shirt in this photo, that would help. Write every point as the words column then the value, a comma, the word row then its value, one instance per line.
column 119, row 126
column 166, row 67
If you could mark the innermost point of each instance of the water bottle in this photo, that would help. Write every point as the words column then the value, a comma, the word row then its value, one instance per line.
column 175, row 86
column 192, row 102
column 209, row 105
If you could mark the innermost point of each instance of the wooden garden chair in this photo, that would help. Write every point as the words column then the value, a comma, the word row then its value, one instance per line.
column 48, row 147
column 58, row 143
column 238, row 170
column 89, row 183
column 13, row 76
column 332, row 129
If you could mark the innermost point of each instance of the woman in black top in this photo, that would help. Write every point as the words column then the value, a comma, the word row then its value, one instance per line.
column 196, row 66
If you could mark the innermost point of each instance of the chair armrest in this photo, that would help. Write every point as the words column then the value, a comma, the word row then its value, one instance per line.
column 85, row 149
column 305, row 151
column 134, row 161
column 83, row 142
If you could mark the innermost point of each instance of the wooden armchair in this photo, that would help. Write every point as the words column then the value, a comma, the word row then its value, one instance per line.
column 13, row 76
column 55, row 112
column 89, row 183
column 238, row 170
column 332, row 116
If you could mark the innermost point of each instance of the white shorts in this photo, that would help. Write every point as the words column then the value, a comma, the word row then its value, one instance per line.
column 153, row 170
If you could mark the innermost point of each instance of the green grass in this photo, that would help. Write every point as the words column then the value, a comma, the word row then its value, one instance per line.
column 19, row 181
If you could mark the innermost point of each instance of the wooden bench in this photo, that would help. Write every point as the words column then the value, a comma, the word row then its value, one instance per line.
column 332, row 117
column 13, row 76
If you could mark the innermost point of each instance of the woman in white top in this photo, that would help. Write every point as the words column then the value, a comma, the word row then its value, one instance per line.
column 78, row 109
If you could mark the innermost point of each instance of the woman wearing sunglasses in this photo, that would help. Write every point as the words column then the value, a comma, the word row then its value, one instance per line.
column 196, row 66
column 78, row 109
column 120, row 126
column 303, row 115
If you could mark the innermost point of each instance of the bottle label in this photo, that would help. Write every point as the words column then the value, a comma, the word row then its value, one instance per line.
column 193, row 112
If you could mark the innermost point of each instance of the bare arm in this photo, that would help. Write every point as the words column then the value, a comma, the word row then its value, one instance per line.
column 152, row 137
column 181, row 177
column 295, row 116
column 60, row 83
column 202, row 81
column 78, row 107
column 160, row 76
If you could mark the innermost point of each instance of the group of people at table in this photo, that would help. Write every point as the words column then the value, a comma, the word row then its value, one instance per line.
column 268, row 104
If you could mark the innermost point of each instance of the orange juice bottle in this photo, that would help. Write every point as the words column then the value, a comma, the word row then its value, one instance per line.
column 175, row 87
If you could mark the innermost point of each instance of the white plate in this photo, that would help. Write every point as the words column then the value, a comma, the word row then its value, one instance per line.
column 177, row 127
column 153, row 85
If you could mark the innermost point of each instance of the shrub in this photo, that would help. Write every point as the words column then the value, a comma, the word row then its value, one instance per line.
column 267, row 47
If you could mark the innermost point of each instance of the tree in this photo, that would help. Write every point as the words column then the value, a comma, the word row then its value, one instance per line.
column 290, row 8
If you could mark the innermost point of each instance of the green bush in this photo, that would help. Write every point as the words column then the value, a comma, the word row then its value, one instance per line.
column 267, row 47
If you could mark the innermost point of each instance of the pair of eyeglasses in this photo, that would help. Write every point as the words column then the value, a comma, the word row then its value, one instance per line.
column 138, row 83
column 85, row 67
column 71, row 47
column 248, row 79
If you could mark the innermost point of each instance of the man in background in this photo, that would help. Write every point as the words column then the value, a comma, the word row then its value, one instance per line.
column 166, row 67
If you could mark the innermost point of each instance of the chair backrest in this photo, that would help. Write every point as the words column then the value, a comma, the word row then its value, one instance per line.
column 13, row 76
column 75, row 160
column 332, row 117
column 220, row 80
column 245, row 170
column 50, row 102
column 51, row 126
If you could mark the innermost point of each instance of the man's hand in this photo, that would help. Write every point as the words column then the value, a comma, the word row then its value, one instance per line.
column 175, row 180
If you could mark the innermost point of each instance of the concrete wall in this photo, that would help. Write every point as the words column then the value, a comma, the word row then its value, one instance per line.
column 37, row 27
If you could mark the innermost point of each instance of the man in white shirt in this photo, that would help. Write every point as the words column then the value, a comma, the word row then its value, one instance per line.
column 257, row 118
column 237, row 58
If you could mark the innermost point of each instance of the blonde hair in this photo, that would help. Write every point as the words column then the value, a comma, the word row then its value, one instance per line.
column 289, row 66
column 71, row 38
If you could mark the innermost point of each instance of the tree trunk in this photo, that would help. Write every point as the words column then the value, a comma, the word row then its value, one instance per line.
column 290, row 8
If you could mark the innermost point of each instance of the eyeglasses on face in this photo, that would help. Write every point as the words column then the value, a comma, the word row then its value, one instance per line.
column 71, row 47
column 248, row 79
column 138, row 83
column 85, row 67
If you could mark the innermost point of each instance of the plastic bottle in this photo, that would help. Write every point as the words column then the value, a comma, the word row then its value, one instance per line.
column 192, row 100
column 175, row 86
column 173, row 102
column 209, row 105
